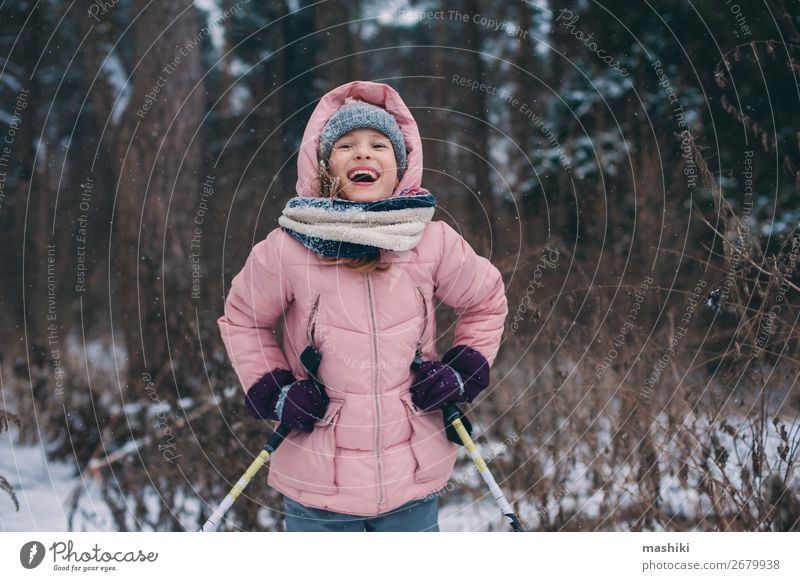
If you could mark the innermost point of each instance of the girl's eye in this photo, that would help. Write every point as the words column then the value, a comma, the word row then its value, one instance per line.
column 348, row 146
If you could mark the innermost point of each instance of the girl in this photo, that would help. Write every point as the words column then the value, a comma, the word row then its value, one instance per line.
column 353, row 270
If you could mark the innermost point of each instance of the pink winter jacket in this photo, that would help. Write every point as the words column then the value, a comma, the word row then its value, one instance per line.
column 373, row 450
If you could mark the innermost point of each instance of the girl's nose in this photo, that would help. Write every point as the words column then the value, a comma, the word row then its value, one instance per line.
column 361, row 151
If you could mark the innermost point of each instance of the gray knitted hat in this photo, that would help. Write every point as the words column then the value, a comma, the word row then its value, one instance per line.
column 355, row 114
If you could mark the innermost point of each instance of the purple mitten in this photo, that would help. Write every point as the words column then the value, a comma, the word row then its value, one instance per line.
column 461, row 375
column 301, row 404
column 278, row 396
column 262, row 396
column 435, row 384
column 472, row 367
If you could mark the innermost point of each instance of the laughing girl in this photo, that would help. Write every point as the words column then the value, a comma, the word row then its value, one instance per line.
column 354, row 270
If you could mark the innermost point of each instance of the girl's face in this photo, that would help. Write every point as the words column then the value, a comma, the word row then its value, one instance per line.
column 364, row 162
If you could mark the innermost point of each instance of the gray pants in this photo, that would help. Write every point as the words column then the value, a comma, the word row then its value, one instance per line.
column 413, row 516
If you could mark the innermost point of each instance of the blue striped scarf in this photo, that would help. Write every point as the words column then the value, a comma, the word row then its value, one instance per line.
column 345, row 229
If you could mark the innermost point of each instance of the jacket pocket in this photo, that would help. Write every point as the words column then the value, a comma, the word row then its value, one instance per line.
column 306, row 461
column 432, row 451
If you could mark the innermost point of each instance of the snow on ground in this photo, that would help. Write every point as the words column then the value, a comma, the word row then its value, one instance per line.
column 472, row 516
column 43, row 490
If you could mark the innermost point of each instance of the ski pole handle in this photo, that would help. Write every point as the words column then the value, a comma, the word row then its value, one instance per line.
column 451, row 412
column 276, row 438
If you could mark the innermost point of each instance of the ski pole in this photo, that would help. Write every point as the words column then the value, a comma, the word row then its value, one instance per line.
column 310, row 359
column 274, row 441
column 452, row 416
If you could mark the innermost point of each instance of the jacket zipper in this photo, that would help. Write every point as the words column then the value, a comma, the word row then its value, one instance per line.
column 375, row 387
column 311, row 324
column 418, row 350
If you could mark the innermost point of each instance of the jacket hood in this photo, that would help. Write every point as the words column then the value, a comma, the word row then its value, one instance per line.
column 378, row 94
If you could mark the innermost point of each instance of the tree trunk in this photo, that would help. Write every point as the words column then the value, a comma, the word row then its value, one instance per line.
column 480, row 205
column 336, row 67
column 522, row 131
column 158, row 189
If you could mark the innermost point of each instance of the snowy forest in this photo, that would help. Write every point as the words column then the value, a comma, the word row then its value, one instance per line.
column 632, row 169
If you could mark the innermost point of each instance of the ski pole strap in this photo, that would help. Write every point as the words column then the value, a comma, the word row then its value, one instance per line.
column 311, row 358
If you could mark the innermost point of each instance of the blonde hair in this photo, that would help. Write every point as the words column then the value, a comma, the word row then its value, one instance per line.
column 331, row 187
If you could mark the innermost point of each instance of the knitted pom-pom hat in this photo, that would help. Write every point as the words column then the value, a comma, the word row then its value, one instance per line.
column 355, row 114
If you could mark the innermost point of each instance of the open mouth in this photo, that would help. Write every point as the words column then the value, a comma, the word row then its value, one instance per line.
column 363, row 176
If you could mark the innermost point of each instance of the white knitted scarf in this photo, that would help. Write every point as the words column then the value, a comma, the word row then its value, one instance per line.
column 342, row 228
